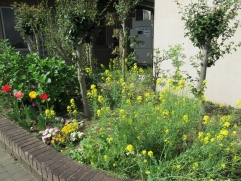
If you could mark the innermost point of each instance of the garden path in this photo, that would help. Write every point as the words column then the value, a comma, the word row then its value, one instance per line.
column 12, row 170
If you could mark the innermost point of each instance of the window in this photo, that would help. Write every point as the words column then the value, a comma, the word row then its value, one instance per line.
column 7, row 22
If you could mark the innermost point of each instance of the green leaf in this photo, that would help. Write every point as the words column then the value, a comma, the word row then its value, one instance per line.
column 41, row 125
column 24, row 124
column 49, row 80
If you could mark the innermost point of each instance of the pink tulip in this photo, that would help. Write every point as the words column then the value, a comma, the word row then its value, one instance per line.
column 18, row 94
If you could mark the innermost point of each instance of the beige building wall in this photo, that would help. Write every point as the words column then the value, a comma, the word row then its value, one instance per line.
column 223, row 79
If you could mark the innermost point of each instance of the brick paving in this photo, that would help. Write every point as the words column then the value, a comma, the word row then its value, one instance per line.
column 12, row 170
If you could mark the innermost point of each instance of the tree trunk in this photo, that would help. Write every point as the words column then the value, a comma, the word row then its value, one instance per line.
column 37, row 44
column 124, row 49
column 91, row 56
column 29, row 43
column 203, row 71
column 204, row 63
column 81, row 79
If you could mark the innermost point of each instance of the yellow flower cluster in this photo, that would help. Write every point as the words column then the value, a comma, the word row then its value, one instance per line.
column 93, row 91
column 195, row 165
column 71, row 127
column 58, row 138
column 99, row 112
column 223, row 133
column 239, row 102
column 150, row 154
column 50, row 113
column 100, row 99
column 109, row 140
column 139, row 99
column 130, row 148
column 88, row 70
column 72, row 110
column 185, row 118
column 206, row 119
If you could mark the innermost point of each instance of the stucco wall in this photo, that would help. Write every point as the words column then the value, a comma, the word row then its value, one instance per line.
column 223, row 79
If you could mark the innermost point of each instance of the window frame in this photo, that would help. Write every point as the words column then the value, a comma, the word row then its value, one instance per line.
column 4, row 32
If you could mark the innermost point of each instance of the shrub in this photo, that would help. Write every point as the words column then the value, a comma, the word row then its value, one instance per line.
column 29, row 73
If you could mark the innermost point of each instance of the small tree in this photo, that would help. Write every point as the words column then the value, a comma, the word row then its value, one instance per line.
column 124, row 8
column 29, row 20
column 76, row 18
column 55, row 43
column 209, row 28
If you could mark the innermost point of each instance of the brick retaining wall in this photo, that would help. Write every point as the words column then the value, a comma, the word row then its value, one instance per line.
column 44, row 162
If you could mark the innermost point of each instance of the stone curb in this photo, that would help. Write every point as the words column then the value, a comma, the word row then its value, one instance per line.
column 44, row 162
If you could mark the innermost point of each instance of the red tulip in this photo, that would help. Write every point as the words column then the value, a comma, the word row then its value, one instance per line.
column 6, row 88
column 44, row 96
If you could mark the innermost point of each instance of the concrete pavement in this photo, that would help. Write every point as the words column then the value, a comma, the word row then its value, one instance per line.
column 12, row 170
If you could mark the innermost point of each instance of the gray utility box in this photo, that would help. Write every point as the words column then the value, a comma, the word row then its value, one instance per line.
column 142, row 28
column 144, row 34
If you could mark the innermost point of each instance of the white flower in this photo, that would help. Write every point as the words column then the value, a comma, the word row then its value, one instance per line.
column 81, row 124
column 80, row 134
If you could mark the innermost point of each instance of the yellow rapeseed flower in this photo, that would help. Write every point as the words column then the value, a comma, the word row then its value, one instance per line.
column 143, row 152
column 109, row 140
column 184, row 137
column 139, row 99
column 130, row 148
column 99, row 112
column 239, row 102
column 147, row 96
column 206, row 119
column 165, row 113
column 185, row 118
column 226, row 124
column 181, row 83
column 150, row 154
column 100, row 99
column 72, row 101
column 195, row 165
column 223, row 165
column 170, row 81
column 108, row 79
column 128, row 101
column 178, row 166
column 52, row 113
column 88, row 70
column 200, row 135
column 158, row 81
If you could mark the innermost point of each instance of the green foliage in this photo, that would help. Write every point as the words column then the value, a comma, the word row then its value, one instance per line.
column 79, row 25
column 78, row 21
column 27, row 116
column 29, row 73
column 29, row 19
column 174, row 54
column 217, row 23
column 157, row 135
column 55, row 43
column 125, row 7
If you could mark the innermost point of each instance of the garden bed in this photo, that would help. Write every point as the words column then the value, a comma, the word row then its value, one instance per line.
column 44, row 162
